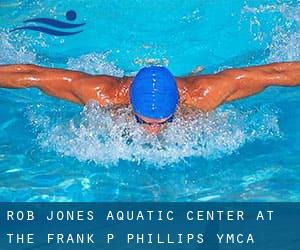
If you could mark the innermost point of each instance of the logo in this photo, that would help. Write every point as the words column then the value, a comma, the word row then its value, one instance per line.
column 57, row 28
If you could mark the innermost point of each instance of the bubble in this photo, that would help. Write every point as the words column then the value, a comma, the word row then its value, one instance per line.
column 192, row 17
column 143, row 62
column 108, row 136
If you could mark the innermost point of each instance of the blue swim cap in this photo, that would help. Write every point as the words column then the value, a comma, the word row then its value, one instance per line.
column 154, row 93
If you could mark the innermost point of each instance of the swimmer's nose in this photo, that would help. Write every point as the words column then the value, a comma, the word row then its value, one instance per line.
column 153, row 129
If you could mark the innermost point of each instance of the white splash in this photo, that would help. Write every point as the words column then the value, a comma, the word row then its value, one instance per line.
column 95, row 63
column 106, row 136
column 285, row 45
column 12, row 51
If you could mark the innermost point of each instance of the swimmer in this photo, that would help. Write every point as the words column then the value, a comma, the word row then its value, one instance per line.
column 154, row 93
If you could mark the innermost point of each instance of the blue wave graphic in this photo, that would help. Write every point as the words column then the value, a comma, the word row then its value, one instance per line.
column 47, row 30
column 54, row 23
column 70, row 15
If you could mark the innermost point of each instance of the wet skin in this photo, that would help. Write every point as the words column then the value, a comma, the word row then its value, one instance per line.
column 203, row 92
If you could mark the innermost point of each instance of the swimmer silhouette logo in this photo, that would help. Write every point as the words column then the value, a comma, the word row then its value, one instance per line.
column 57, row 28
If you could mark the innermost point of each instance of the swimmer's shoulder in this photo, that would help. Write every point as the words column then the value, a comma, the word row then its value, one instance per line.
column 205, row 92
column 104, row 89
column 190, row 86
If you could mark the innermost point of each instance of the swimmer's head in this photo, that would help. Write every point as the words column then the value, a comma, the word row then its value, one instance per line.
column 154, row 95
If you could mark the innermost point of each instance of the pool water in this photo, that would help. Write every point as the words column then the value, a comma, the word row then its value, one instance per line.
column 248, row 150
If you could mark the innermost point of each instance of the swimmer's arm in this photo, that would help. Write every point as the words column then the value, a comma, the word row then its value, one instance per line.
column 207, row 92
column 74, row 86
column 54, row 82
column 255, row 79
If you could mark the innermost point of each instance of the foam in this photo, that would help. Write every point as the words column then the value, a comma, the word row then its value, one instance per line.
column 95, row 63
column 285, row 37
column 14, row 51
column 107, row 136
column 285, row 45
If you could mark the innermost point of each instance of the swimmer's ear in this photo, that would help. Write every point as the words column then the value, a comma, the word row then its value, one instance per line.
column 196, row 71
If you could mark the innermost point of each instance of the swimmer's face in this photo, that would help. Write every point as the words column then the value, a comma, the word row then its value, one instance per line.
column 153, row 126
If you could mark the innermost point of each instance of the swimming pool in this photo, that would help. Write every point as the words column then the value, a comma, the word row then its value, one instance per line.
column 51, row 150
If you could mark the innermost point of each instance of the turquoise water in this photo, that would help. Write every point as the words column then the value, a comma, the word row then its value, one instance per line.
column 51, row 150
